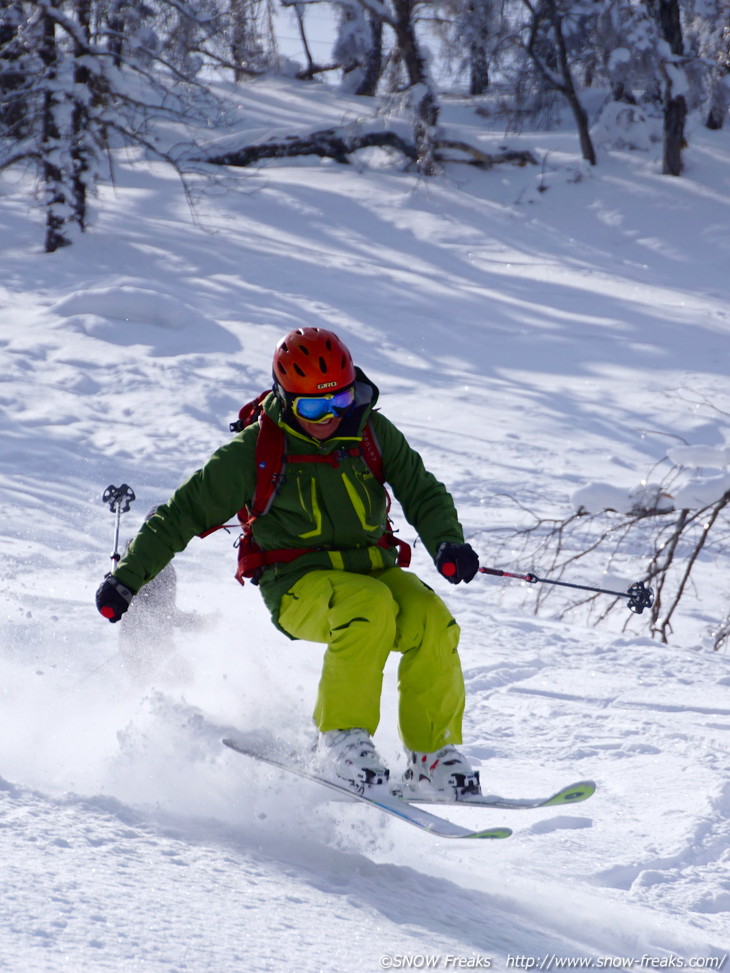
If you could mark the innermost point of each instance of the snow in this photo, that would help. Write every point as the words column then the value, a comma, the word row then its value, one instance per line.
column 536, row 332
column 701, row 492
column 594, row 497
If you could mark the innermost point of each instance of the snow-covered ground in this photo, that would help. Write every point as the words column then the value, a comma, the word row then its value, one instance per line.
column 535, row 331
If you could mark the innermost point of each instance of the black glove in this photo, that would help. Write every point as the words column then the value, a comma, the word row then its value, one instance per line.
column 113, row 598
column 457, row 562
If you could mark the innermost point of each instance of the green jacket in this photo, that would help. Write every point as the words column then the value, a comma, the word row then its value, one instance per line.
column 339, row 511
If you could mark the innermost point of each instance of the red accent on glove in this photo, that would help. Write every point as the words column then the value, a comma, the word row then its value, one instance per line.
column 448, row 569
column 107, row 611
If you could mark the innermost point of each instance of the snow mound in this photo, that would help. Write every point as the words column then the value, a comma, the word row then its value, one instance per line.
column 133, row 314
column 596, row 496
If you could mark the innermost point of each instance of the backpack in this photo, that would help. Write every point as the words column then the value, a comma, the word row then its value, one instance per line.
column 271, row 461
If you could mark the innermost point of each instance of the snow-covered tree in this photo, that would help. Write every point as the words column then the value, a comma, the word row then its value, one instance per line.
column 477, row 31
column 626, row 40
column 13, row 69
column 61, row 133
column 401, row 17
column 80, row 75
column 250, row 36
column 709, row 31
column 424, row 99
column 358, row 48
column 666, row 14
column 470, row 29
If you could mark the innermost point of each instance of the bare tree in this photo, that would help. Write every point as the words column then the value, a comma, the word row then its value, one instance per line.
column 547, row 47
column 670, row 542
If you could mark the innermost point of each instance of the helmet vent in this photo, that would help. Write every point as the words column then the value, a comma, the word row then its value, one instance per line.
column 307, row 357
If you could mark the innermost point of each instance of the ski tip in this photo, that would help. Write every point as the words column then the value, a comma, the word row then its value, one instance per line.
column 580, row 791
column 492, row 833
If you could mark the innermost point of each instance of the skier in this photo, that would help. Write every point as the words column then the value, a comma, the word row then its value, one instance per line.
column 341, row 585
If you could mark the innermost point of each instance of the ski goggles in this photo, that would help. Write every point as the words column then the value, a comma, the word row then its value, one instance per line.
column 320, row 408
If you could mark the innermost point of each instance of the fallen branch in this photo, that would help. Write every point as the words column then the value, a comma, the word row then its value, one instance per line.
column 486, row 160
column 331, row 143
column 339, row 144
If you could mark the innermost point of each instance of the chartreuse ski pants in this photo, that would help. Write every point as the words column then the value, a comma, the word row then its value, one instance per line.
column 363, row 618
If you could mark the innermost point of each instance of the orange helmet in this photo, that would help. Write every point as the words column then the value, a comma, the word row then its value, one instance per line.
column 312, row 361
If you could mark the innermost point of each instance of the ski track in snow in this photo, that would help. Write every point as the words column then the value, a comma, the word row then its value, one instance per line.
column 532, row 333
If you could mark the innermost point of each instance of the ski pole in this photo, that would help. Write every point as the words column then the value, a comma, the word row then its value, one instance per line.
column 119, row 498
column 639, row 596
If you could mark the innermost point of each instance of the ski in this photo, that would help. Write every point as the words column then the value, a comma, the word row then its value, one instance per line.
column 387, row 802
column 572, row 794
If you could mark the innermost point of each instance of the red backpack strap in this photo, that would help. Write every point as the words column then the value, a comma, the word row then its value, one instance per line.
column 270, row 465
column 370, row 449
column 249, row 413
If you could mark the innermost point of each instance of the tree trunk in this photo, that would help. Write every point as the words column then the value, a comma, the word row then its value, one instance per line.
column 719, row 99
column 116, row 23
column 675, row 114
column 579, row 113
column 667, row 15
column 311, row 69
column 477, row 20
column 425, row 106
column 620, row 92
column 80, row 113
column 373, row 67
column 55, row 195
column 478, row 70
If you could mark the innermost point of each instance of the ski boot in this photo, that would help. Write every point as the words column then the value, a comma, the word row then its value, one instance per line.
column 352, row 756
column 445, row 772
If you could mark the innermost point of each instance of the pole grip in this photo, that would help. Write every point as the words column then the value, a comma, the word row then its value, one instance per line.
column 119, row 500
column 530, row 578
